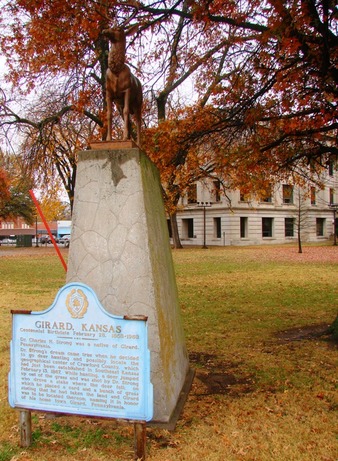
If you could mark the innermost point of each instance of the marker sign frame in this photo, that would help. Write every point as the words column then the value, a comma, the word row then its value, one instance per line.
column 76, row 358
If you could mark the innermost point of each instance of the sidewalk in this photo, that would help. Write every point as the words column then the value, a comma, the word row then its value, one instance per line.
column 41, row 250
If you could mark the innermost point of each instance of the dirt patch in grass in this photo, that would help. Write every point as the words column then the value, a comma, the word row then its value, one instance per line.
column 217, row 377
column 305, row 332
column 211, row 383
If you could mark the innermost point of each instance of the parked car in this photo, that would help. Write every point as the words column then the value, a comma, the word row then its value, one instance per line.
column 45, row 239
column 65, row 240
column 8, row 241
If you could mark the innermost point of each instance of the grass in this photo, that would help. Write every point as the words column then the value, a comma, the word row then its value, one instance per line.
column 256, row 395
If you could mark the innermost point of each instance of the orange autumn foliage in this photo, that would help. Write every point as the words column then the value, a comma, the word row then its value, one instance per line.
column 4, row 187
column 264, row 79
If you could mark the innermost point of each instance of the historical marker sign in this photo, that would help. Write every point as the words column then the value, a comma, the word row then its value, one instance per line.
column 77, row 358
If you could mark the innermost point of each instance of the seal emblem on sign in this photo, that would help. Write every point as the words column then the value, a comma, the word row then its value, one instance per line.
column 77, row 303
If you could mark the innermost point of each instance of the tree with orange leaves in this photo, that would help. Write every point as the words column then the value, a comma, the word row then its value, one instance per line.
column 264, row 78
column 4, row 187
column 267, row 99
column 275, row 62
column 282, row 97
column 14, row 186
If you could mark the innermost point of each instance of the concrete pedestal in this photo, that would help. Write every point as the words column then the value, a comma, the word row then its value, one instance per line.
column 120, row 248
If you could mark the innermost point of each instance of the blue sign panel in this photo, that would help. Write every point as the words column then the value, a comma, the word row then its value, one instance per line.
column 77, row 358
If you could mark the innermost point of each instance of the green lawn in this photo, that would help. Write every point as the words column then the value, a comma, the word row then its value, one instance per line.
column 257, row 394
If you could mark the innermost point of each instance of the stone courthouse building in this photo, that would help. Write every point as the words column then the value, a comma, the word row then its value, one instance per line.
column 207, row 217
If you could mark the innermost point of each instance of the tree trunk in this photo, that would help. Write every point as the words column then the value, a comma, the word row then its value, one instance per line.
column 174, row 229
column 334, row 329
column 161, row 102
column 300, row 250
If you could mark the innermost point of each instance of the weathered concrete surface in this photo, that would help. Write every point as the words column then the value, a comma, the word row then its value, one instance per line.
column 120, row 248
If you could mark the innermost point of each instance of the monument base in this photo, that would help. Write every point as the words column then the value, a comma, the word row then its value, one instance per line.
column 171, row 424
column 120, row 248
column 113, row 145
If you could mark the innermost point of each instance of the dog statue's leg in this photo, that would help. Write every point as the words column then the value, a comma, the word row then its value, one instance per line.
column 126, row 111
column 109, row 114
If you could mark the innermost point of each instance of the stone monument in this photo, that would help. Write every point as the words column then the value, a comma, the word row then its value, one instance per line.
column 120, row 248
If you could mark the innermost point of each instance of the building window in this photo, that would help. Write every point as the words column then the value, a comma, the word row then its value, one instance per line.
column 320, row 227
column 331, row 198
column 289, row 226
column 217, row 228
column 8, row 225
column 217, row 191
column 267, row 227
column 331, row 166
column 244, row 227
column 267, row 195
column 313, row 195
column 244, row 196
column 188, row 228
column 287, row 193
column 192, row 193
